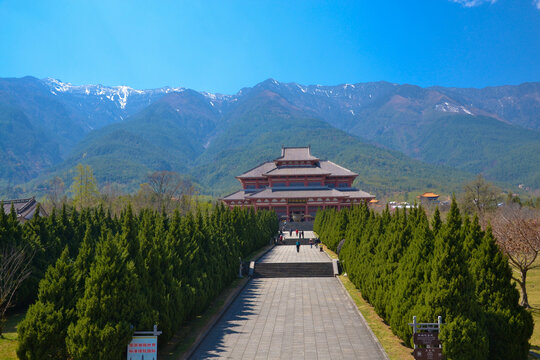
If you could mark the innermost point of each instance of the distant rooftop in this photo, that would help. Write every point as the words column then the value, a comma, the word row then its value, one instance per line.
column 24, row 208
column 428, row 195
column 287, row 171
column 296, row 154
column 325, row 167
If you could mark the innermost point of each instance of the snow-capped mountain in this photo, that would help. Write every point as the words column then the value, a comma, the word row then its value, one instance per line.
column 116, row 94
column 56, row 116
column 452, row 108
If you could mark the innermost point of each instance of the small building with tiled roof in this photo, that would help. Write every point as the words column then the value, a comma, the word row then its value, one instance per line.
column 24, row 208
column 297, row 183
column 428, row 198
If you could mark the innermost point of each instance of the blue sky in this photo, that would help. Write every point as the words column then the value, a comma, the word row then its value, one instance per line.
column 222, row 46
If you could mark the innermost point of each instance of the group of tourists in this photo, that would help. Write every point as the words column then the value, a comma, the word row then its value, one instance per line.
column 299, row 234
column 312, row 242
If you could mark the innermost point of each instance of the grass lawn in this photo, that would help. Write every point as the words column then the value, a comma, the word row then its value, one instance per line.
column 533, row 291
column 394, row 347
column 8, row 343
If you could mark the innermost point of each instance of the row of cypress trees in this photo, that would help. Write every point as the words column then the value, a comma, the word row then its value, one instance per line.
column 404, row 266
column 118, row 274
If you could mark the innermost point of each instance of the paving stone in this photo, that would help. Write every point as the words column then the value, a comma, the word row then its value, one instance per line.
column 293, row 318
column 288, row 254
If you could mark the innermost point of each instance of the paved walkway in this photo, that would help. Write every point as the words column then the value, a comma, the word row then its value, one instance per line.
column 291, row 318
column 307, row 235
column 288, row 254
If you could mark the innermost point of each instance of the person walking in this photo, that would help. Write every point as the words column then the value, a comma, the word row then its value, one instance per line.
column 303, row 235
column 290, row 232
column 310, row 243
column 297, row 245
column 296, row 232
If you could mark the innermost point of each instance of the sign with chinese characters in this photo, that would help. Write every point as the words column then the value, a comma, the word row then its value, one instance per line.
column 296, row 201
column 427, row 338
column 427, row 345
column 428, row 354
column 142, row 348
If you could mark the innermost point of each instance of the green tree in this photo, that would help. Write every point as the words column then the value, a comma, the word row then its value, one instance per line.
column 43, row 331
column 509, row 326
column 451, row 293
column 84, row 187
column 110, row 306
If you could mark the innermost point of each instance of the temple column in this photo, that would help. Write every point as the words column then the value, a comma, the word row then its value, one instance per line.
column 306, row 212
column 288, row 212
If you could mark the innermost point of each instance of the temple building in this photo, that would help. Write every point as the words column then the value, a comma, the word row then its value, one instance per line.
column 25, row 209
column 428, row 198
column 296, row 184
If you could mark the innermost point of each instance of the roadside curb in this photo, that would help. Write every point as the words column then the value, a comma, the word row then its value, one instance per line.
column 226, row 305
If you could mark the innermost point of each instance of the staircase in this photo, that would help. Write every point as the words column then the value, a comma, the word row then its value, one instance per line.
column 292, row 241
column 281, row 270
column 302, row 225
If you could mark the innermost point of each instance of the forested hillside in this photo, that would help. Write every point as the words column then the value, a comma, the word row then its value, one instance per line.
column 265, row 121
column 168, row 135
column 126, row 134
column 251, row 133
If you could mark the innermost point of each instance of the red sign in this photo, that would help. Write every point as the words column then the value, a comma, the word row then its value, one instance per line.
column 428, row 354
column 427, row 338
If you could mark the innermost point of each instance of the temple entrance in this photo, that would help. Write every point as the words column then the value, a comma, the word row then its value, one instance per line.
column 297, row 216
column 296, row 213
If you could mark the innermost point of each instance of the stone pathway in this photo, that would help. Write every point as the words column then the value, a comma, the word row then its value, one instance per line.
column 288, row 254
column 307, row 235
column 291, row 318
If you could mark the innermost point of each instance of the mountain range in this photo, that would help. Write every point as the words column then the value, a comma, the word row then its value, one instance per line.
column 397, row 137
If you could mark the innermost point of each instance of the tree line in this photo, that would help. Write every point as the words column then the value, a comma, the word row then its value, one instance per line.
column 405, row 266
column 162, row 190
column 104, row 276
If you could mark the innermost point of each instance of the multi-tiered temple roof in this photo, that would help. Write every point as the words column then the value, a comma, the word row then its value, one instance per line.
column 297, row 183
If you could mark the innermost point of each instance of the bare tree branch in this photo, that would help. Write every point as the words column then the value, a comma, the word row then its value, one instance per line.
column 518, row 235
column 14, row 269
column 169, row 186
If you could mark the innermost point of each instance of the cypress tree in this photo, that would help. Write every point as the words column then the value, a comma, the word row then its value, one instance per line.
column 110, row 306
column 408, row 294
column 43, row 331
column 436, row 223
column 451, row 294
column 509, row 326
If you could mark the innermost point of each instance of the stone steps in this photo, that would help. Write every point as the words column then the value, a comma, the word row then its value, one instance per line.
column 292, row 241
column 302, row 225
column 284, row 270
